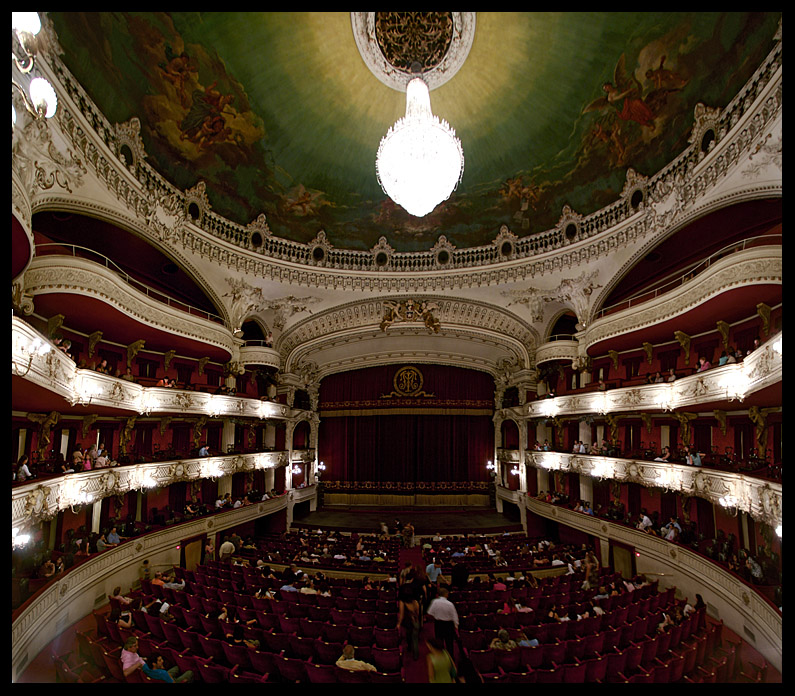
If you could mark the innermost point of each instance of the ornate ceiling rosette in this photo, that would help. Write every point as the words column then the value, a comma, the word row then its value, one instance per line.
column 390, row 42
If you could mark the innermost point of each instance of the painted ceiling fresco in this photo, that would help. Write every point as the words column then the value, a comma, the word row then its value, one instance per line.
column 278, row 113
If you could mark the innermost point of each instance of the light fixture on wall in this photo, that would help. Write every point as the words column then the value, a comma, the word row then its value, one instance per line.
column 39, row 98
column 420, row 160
column 36, row 347
column 515, row 470
column 296, row 469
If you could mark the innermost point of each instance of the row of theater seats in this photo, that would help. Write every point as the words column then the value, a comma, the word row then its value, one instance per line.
column 281, row 657
column 611, row 656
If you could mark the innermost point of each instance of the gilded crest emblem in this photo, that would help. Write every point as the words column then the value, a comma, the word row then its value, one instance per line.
column 407, row 383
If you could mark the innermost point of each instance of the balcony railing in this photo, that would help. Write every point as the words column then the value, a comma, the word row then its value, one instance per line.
column 91, row 255
column 666, row 285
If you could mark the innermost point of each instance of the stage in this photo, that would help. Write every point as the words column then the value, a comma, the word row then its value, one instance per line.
column 426, row 520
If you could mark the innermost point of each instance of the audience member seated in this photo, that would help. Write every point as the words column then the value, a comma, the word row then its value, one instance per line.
column 348, row 661
column 23, row 473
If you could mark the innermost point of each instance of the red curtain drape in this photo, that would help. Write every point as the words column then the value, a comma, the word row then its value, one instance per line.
column 406, row 447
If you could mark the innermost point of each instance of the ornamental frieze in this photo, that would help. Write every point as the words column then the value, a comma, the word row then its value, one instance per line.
column 760, row 499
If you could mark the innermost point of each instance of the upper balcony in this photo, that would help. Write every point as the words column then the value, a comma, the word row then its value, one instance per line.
column 97, row 293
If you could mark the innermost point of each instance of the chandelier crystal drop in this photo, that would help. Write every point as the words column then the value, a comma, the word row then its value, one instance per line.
column 420, row 160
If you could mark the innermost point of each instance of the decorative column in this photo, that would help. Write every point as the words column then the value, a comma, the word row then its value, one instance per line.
column 227, row 435
column 585, row 433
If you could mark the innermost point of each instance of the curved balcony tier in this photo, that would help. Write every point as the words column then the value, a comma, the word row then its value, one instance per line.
column 761, row 499
column 40, row 372
column 43, row 499
column 756, row 379
column 96, row 295
column 741, row 279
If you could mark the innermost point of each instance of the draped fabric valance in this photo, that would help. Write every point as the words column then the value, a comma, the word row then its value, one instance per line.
column 407, row 389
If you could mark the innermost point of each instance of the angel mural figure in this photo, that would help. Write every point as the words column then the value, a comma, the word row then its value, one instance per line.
column 624, row 96
column 177, row 70
column 204, row 124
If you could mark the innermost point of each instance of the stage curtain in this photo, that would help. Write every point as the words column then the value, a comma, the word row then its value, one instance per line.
column 406, row 447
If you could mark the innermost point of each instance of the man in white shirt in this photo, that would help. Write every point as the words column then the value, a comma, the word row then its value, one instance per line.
column 644, row 522
column 445, row 617
column 226, row 550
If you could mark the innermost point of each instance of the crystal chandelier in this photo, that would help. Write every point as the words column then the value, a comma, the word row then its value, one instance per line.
column 420, row 161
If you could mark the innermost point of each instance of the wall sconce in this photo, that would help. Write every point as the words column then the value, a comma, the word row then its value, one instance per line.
column 515, row 470
column 35, row 348
column 777, row 345
column 321, row 467
column 736, row 385
column 778, row 531
column 296, row 469
column 730, row 503
column 40, row 99
column 18, row 540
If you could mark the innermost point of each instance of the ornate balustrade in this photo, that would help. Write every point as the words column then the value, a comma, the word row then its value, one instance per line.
column 757, row 265
column 73, row 274
column 57, row 373
column 745, row 611
column 45, row 498
column 761, row 499
column 759, row 370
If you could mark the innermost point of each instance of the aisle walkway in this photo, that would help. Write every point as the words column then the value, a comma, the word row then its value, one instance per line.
column 416, row 671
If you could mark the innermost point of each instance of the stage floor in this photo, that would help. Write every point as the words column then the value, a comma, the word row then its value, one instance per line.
column 427, row 520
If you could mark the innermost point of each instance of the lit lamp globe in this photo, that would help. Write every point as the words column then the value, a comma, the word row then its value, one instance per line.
column 43, row 97
column 420, row 160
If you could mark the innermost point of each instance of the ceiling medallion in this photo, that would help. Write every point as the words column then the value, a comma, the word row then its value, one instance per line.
column 401, row 33
column 408, row 37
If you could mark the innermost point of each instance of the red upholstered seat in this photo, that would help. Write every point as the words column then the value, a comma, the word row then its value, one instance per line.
column 595, row 669
column 361, row 635
column 211, row 647
column 291, row 669
column 212, row 673
column 509, row 660
column 532, row 657
column 387, row 659
column 388, row 637
column 616, row 664
column 301, row 647
column 321, row 674
column 351, row 676
column 327, row 653
column 236, row 655
column 263, row 662
column 238, row 676
column 574, row 673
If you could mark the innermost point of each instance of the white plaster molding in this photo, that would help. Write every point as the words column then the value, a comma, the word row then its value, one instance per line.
column 761, row 499
column 752, row 266
column 44, row 499
column 69, row 274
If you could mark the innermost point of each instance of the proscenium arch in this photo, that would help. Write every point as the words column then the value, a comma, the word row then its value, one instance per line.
column 131, row 226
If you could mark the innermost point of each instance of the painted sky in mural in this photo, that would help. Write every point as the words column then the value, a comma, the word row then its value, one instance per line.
column 277, row 113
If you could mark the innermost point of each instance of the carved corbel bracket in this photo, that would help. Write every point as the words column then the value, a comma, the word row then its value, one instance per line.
column 720, row 416
column 169, row 356
column 93, row 339
column 723, row 330
column 684, row 342
column 648, row 348
column 202, row 363
column 54, row 324
column 614, row 358
column 764, row 312
column 132, row 350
